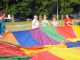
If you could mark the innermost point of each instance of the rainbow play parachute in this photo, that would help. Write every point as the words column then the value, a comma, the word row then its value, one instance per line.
column 48, row 43
column 40, row 36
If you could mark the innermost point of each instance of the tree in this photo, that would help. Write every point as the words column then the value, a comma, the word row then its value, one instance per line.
column 10, row 8
column 27, row 8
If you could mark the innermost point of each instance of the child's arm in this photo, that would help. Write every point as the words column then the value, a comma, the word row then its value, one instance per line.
column 69, row 23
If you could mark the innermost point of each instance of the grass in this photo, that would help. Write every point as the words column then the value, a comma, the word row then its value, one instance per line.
column 17, row 23
column 13, row 26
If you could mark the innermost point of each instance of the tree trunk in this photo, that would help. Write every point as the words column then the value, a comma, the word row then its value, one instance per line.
column 12, row 18
column 40, row 17
column 62, row 17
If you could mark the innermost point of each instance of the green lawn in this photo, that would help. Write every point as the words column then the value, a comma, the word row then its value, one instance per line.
column 13, row 26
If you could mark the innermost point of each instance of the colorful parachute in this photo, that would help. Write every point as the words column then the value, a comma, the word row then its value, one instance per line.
column 11, row 52
column 40, row 36
column 49, row 43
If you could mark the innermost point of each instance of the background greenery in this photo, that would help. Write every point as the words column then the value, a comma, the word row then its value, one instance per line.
column 27, row 8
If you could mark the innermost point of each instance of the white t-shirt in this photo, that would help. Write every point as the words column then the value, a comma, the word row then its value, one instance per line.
column 54, row 23
column 35, row 24
column 9, row 17
column 45, row 23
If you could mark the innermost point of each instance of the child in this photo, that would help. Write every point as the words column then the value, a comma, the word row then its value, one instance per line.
column 35, row 23
column 2, row 23
column 45, row 22
column 68, row 21
column 54, row 22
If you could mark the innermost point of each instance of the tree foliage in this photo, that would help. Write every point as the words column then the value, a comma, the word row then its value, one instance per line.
column 27, row 8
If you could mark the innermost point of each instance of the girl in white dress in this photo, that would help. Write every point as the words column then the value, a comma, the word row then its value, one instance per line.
column 45, row 22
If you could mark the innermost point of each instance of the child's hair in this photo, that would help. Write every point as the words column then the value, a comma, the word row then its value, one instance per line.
column 44, row 17
column 54, row 18
column 2, row 13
